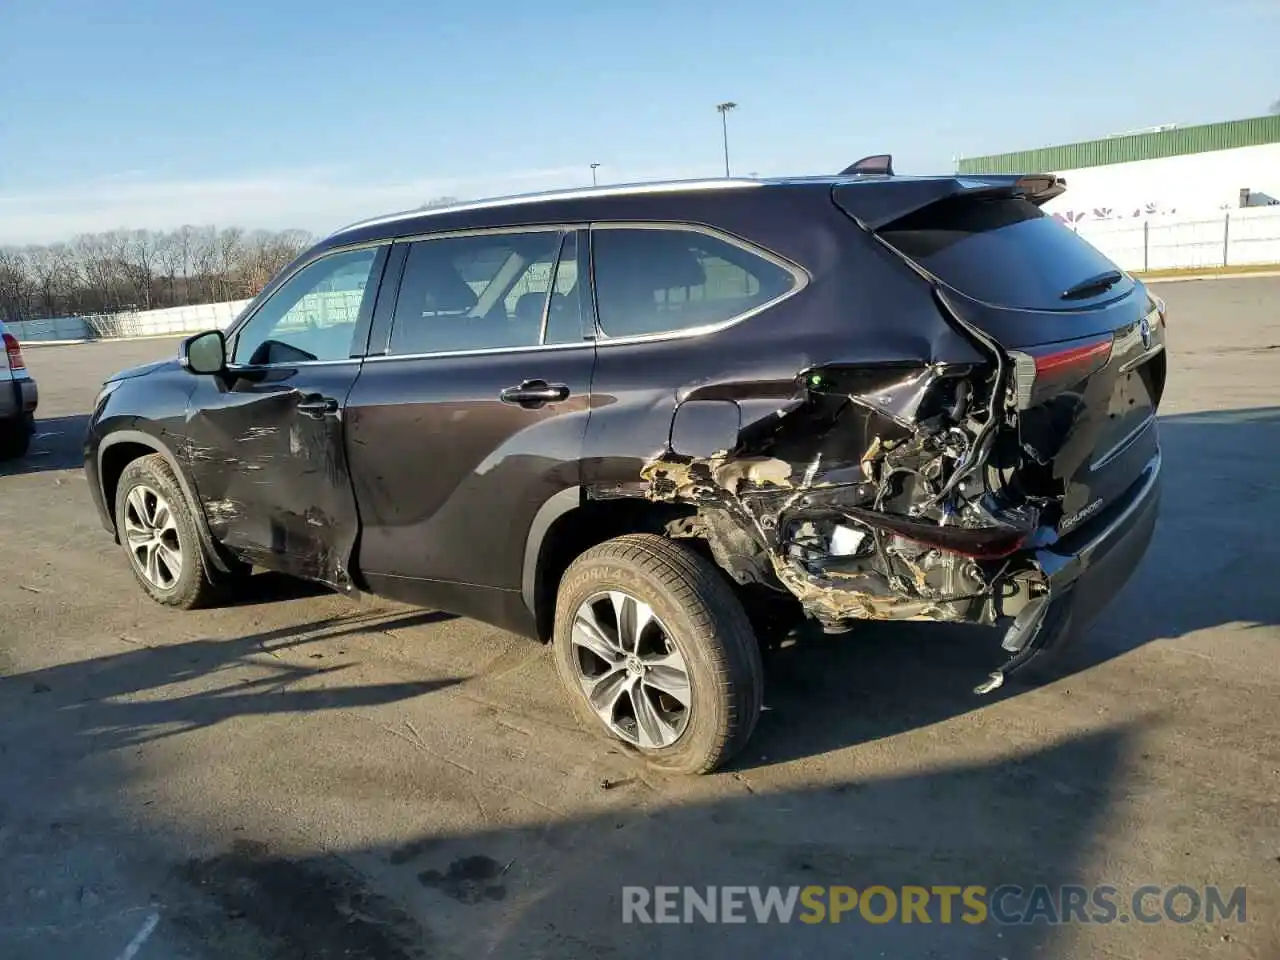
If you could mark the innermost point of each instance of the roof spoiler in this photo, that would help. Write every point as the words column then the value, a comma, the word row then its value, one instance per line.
column 877, row 203
column 1040, row 188
column 876, row 165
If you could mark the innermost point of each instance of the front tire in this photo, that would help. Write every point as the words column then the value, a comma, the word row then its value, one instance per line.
column 159, row 535
column 657, row 652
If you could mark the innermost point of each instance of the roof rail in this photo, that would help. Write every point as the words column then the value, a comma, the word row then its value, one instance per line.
column 876, row 165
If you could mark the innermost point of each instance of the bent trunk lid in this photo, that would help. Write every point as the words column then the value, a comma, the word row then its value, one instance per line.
column 1082, row 340
column 1083, row 432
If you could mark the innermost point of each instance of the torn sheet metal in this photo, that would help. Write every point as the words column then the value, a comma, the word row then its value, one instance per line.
column 859, row 499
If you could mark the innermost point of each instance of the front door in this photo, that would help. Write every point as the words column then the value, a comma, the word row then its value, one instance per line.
column 475, row 414
column 265, row 440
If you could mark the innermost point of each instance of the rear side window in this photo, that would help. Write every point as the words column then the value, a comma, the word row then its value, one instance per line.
column 651, row 281
column 1004, row 251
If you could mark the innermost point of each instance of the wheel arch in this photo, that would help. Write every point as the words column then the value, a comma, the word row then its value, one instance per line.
column 119, row 449
column 570, row 522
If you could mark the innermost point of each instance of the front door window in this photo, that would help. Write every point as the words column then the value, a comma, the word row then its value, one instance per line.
column 313, row 315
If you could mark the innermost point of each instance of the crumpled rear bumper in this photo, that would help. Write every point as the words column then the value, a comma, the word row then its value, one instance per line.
column 1095, row 571
column 1084, row 572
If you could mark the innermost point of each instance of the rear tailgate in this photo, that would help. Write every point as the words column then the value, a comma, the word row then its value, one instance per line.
column 1082, row 340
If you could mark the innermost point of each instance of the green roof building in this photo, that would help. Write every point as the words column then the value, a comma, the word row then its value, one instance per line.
column 1162, row 170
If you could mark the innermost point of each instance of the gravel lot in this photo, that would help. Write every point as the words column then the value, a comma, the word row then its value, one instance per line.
column 307, row 776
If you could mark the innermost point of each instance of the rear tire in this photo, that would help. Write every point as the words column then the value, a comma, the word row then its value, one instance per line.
column 15, row 437
column 692, row 625
column 160, row 537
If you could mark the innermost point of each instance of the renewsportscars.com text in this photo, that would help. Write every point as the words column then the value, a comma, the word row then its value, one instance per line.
column 973, row 904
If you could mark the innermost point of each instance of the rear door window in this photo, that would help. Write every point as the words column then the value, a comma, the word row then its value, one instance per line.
column 1004, row 251
column 481, row 292
column 565, row 314
column 653, row 281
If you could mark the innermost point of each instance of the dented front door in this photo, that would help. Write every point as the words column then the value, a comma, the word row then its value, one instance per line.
column 266, row 453
column 264, row 439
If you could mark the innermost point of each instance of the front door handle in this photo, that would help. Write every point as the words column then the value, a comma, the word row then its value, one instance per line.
column 535, row 393
column 317, row 407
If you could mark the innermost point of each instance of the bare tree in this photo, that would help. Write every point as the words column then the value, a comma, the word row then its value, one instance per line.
column 204, row 257
column 230, row 253
column 53, row 274
column 15, row 284
column 138, row 257
column 97, row 270
column 443, row 201
column 142, row 269
column 1275, row 106
column 169, row 260
column 185, row 240
column 267, row 253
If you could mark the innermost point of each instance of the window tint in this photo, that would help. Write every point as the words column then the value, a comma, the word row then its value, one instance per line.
column 313, row 315
column 655, row 281
column 1003, row 251
column 564, row 321
column 474, row 293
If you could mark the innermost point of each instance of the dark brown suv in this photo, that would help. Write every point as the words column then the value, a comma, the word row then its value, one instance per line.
column 635, row 421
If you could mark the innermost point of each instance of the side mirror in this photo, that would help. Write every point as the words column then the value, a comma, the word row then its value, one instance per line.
column 204, row 353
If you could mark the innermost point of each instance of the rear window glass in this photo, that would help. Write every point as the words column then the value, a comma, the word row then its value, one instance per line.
column 651, row 281
column 1003, row 251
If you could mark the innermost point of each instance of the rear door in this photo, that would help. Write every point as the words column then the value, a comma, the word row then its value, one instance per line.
column 474, row 413
column 1084, row 340
column 265, row 440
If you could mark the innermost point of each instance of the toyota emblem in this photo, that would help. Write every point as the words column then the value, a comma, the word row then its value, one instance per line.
column 1144, row 329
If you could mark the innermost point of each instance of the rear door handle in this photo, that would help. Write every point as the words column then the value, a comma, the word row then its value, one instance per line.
column 535, row 393
column 317, row 407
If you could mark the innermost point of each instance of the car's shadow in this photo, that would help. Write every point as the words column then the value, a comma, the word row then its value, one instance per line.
column 267, row 586
column 58, row 444
column 98, row 690
column 1212, row 562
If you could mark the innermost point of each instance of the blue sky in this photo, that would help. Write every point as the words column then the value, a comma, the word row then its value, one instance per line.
column 152, row 113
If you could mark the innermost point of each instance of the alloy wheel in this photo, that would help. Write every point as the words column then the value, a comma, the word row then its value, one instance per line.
column 151, row 533
column 630, row 670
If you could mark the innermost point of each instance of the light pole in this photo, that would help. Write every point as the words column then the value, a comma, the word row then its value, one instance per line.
column 593, row 173
column 723, row 109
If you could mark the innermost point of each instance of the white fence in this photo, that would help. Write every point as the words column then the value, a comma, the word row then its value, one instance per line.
column 142, row 323
column 1232, row 238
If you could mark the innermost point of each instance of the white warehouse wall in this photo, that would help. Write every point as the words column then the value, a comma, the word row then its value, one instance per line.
column 1200, row 183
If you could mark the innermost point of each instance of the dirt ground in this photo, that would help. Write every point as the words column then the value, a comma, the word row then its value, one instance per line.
column 306, row 776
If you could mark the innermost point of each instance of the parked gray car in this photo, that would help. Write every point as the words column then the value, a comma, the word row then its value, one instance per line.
column 18, row 399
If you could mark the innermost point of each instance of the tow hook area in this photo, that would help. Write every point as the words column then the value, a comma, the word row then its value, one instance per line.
column 1039, row 625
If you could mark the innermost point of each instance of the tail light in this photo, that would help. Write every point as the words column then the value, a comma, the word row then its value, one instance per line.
column 1042, row 372
column 1158, row 308
column 981, row 543
column 14, row 352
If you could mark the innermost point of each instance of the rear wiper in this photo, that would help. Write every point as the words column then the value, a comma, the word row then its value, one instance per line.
column 1094, row 285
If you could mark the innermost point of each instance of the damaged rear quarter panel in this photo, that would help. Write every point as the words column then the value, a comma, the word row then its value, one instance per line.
column 734, row 423
column 855, row 289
